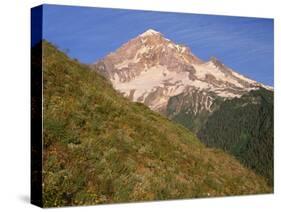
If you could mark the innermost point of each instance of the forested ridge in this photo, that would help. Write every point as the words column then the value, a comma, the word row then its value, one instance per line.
column 244, row 127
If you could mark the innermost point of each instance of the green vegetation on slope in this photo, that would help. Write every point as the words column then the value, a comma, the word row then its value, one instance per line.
column 244, row 127
column 101, row 148
column 180, row 108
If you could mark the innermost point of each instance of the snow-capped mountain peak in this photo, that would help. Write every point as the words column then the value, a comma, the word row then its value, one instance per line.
column 151, row 69
column 150, row 32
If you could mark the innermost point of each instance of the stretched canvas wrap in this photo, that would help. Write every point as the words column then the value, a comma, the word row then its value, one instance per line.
column 131, row 106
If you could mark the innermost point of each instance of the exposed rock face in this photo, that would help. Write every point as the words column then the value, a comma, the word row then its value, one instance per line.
column 169, row 79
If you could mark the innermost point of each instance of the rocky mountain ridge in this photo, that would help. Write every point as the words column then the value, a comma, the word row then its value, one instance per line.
column 151, row 69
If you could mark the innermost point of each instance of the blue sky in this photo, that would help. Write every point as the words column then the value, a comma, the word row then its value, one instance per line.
column 89, row 34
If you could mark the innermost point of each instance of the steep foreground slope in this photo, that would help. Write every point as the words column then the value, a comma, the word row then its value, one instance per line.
column 101, row 148
column 244, row 127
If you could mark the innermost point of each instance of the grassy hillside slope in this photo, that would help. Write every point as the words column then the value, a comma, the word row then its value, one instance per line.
column 101, row 148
